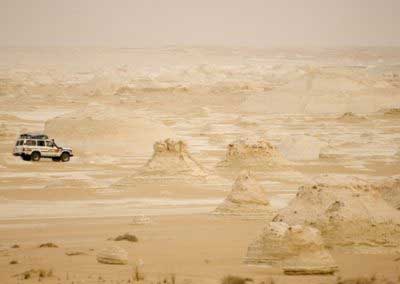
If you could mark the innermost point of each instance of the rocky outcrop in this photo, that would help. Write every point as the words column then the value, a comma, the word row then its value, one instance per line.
column 349, row 216
column 245, row 153
column 393, row 112
column 296, row 249
column 113, row 255
column 141, row 220
column 351, row 117
column 247, row 198
column 390, row 191
column 171, row 168
column 172, row 158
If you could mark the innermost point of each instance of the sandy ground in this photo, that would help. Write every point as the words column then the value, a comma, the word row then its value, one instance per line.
column 209, row 100
column 196, row 248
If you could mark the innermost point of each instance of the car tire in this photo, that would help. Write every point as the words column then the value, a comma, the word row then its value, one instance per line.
column 64, row 157
column 35, row 157
column 26, row 157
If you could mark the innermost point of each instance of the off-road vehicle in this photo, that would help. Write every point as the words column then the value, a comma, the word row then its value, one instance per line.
column 34, row 146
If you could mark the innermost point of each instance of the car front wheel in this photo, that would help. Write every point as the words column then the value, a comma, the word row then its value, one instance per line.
column 64, row 157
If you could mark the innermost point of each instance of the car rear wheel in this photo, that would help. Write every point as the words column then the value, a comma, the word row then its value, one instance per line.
column 64, row 157
column 35, row 157
column 26, row 157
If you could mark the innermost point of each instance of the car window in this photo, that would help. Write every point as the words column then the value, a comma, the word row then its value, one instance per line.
column 40, row 143
column 30, row 142
column 18, row 143
column 49, row 144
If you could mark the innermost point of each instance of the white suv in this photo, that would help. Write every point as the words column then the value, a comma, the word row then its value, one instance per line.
column 33, row 146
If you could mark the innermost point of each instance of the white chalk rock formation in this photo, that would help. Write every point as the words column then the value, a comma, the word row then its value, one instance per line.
column 141, row 220
column 350, row 117
column 352, row 216
column 246, row 153
column 297, row 249
column 389, row 189
column 113, row 255
column 393, row 112
column 170, row 168
column 247, row 198
column 172, row 158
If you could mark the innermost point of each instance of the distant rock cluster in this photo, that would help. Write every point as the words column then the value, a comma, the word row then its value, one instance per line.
column 245, row 153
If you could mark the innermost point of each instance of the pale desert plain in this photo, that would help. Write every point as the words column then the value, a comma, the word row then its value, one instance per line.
column 270, row 165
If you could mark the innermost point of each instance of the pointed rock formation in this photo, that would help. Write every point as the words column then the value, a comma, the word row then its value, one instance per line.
column 247, row 198
column 296, row 249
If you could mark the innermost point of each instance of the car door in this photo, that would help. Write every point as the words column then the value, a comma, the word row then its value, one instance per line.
column 41, row 146
column 52, row 149
column 30, row 145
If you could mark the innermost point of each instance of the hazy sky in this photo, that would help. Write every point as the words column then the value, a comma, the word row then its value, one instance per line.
column 137, row 23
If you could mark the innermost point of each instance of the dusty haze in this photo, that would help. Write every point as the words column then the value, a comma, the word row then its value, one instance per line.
column 258, row 139
column 154, row 23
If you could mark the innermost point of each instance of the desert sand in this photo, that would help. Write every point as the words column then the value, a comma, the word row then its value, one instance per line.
column 160, row 136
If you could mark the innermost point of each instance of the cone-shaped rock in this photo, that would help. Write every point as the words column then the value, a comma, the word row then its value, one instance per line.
column 247, row 198
column 170, row 169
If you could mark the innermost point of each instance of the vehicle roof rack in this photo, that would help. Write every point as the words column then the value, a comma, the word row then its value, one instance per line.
column 33, row 135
